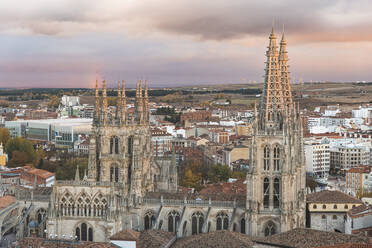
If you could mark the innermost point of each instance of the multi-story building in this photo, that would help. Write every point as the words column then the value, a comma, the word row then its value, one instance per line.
column 327, row 210
column 350, row 155
column 32, row 176
column 196, row 116
column 232, row 154
column 359, row 221
column 62, row 132
column 317, row 154
column 358, row 180
column 162, row 142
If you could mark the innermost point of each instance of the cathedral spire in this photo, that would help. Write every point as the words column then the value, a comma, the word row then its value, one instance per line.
column 285, row 78
column 105, row 104
column 140, row 103
column 123, row 103
column 146, row 103
column 97, row 110
column 119, row 103
column 272, row 96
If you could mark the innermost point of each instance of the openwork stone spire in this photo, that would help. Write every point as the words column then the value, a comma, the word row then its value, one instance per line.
column 285, row 78
column 272, row 96
column 123, row 103
column 105, row 103
column 97, row 110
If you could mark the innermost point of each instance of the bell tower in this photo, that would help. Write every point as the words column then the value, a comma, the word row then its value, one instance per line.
column 120, row 147
column 276, row 176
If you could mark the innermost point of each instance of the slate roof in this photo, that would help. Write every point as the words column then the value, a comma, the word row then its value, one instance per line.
column 327, row 196
column 309, row 238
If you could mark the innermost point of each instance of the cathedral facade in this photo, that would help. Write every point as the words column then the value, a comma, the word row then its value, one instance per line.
column 126, row 188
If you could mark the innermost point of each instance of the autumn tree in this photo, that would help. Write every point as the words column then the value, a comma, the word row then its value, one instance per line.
column 4, row 136
column 53, row 102
column 219, row 173
column 20, row 145
column 39, row 158
column 192, row 180
column 112, row 101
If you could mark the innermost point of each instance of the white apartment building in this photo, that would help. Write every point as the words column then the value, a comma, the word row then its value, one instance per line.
column 317, row 153
column 362, row 112
column 350, row 155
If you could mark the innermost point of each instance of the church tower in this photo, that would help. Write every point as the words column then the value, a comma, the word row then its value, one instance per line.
column 120, row 146
column 276, row 176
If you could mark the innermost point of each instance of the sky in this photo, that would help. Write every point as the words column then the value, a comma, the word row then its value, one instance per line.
column 69, row 43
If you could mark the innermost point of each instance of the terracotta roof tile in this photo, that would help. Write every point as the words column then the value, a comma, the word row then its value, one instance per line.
column 308, row 238
column 6, row 201
column 127, row 235
column 154, row 238
column 327, row 196
column 218, row 239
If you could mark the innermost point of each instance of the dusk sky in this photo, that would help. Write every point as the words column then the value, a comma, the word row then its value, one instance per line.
column 70, row 43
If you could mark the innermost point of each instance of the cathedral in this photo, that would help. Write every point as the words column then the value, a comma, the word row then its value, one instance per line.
column 126, row 188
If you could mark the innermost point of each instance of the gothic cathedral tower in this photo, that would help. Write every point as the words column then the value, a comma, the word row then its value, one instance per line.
column 276, row 177
column 120, row 145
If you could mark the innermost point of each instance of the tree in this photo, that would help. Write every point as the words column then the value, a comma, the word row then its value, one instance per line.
column 192, row 180
column 219, row 173
column 239, row 174
column 4, row 136
column 54, row 102
column 66, row 169
column 112, row 101
column 39, row 158
column 311, row 183
column 21, row 145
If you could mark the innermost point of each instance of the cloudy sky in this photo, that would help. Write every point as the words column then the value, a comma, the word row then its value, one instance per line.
column 70, row 43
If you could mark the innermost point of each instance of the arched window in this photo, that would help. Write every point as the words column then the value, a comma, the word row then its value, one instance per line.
column 266, row 190
column 270, row 229
column 222, row 221
column 114, row 145
column 267, row 158
column 346, row 206
column 334, row 217
column 114, row 173
column 324, row 206
column 173, row 221
column 324, row 217
column 111, row 145
column 314, row 206
column 77, row 233
column 149, row 220
column 276, row 193
column 84, row 232
column 335, row 206
column 41, row 214
column 276, row 158
column 242, row 225
column 197, row 222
